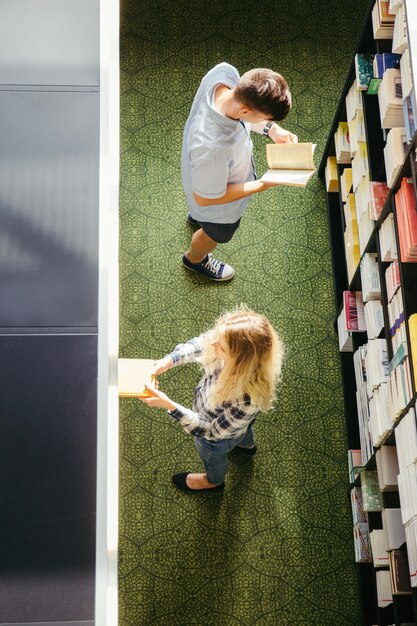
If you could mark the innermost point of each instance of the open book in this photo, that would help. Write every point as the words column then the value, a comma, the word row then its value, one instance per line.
column 290, row 163
column 133, row 375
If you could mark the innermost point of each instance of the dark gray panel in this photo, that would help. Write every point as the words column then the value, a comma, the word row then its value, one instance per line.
column 49, row 42
column 49, row 166
column 47, row 477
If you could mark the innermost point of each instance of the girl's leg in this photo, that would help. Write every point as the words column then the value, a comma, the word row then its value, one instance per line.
column 214, row 457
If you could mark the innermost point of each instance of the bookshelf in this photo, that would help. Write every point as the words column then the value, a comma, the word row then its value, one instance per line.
column 398, row 349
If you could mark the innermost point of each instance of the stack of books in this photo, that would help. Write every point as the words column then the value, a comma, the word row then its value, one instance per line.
column 371, row 494
column 363, row 70
column 351, row 237
column 394, row 152
column 392, row 279
column 345, row 183
column 400, row 388
column 382, row 20
column 371, row 285
column 390, row 97
column 378, row 193
column 406, row 439
column 397, row 324
column 387, row 240
column 362, row 543
column 354, row 463
column 405, row 204
column 362, row 202
column 374, row 318
column 394, row 529
column 355, row 118
column 412, row 328
column 345, row 336
column 399, row 35
column 409, row 96
column 342, row 143
column 387, row 468
column 362, row 403
column 354, row 314
column 379, row 547
column 380, row 414
column 399, row 572
column 383, row 588
column 332, row 182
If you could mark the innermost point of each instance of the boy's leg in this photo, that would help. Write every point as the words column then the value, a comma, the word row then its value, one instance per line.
column 201, row 245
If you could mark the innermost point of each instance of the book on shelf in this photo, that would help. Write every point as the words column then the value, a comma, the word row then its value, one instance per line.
column 394, row 152
column 345, row 183
column 406, row 440
column 392, row 279
column 407, row 487
column 358, row 514
column 411, row 543
column 371, row 284
column 371, row 495
column 400, row 388
column 378, row 539
column 394, row 5
column 357, row 133
column 405, row 204
column 382, row 20
column 393, row 526
column 362, row 543
column 378, row 193
column 391, row 99
column 332, row 182
column 133, row 375
column 352, row 252
column 363, row 70
column 387, row 240
column 349, row 210
column 354, row 314
column 400, row 572
column 383, row 588
column 344, row 335
column 354, row 103
column 290, row 163
column 342, row 143
column 406, row 74
column 355, row 463
column 387, row 468
column 412, row 328
column 360, row 165
column 365, row 229
column 410, row 115
column 374, row 318
column 399, row 35
column 397, row 322
column 380, row 424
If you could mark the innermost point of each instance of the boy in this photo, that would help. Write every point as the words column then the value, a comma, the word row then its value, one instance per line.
column 218, row 171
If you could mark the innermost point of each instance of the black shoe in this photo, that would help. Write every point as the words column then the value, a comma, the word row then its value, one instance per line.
column 180, row 481
column 211, row 268
column 248, row 451
column 192, row 221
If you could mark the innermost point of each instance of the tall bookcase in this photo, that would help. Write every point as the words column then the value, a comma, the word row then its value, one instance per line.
column 403, row 609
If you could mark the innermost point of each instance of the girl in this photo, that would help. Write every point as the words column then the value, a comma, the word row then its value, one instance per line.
column 242, row 358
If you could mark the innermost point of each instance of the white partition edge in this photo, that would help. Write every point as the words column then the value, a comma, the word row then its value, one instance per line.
column 106, row 597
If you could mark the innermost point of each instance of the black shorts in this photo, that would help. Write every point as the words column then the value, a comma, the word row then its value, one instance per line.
column 221, row 233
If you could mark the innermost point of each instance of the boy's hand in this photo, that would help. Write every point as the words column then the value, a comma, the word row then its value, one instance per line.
column 158, row 400
column 280, row 135
column 162, row 365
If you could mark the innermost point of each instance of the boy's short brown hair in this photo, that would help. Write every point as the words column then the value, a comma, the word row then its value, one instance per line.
column 265, row 91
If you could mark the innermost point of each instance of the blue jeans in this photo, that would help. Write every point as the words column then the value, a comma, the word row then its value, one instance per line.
column 214, row 454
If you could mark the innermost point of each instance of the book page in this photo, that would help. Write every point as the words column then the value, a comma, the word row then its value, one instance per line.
column 290, row 156
column 297, row 178
column 133, row 375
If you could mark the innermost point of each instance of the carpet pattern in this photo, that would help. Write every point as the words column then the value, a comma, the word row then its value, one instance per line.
column 276, row 548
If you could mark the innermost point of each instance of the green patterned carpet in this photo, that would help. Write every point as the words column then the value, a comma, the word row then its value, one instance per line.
column 276, row 549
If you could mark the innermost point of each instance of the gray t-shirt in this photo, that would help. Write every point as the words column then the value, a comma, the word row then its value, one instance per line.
column 216, row 150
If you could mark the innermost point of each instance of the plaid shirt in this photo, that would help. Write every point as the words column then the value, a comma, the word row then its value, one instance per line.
column 226, row 421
